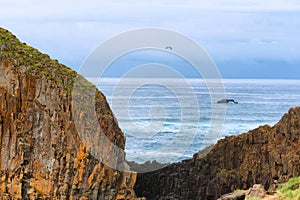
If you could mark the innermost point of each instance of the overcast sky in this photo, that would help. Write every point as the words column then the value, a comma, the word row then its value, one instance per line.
column 245, row 38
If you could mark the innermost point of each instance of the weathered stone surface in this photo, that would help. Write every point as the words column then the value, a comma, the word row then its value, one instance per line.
column 257, row 191
column 262, row 156
column 41, row 154
column 233, row 196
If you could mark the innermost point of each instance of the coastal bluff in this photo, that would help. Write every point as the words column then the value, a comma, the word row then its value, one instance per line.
column 41, row 153
column 266, row 155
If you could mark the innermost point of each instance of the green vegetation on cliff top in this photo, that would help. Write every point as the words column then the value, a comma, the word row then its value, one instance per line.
column 30, row 60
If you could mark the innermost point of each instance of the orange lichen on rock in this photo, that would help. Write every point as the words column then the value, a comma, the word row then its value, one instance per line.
column 42, row 154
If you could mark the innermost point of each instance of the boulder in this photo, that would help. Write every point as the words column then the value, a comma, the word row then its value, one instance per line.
column 233, row 196
column 257, row 191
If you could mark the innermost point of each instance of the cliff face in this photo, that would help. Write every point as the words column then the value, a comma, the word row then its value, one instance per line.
column 264, row 155
column 41, row 154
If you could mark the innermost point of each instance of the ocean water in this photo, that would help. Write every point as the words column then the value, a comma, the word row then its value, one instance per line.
column 168, row 121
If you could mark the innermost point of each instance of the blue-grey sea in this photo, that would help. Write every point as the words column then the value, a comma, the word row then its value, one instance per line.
column 166, row 124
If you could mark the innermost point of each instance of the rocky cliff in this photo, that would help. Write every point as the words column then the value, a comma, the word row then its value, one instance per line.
column 41, row 153
column 266, row 155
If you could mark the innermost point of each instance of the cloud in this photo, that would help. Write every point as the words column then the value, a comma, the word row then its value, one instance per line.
column 230, row 30
column 91, row 9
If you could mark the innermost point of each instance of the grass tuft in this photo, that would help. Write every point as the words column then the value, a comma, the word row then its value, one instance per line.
column 290, row 190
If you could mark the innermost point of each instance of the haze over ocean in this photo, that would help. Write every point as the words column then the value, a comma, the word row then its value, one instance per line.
column 261, row 101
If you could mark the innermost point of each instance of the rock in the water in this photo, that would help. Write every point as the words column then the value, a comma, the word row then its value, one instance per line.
column 227, row 101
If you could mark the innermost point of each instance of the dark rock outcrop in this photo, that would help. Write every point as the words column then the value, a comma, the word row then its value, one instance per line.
column 262, row 156
column 41, row 154
column 228, row 101
column 148, row 166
